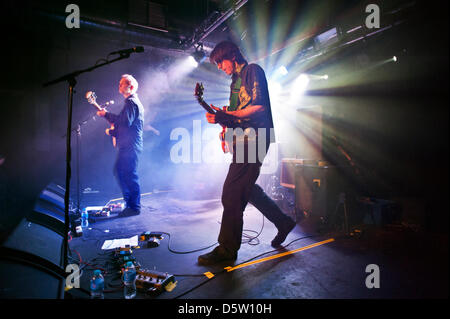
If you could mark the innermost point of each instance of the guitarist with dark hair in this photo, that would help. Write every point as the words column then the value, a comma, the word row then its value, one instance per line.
column 249, row 110
column 128, row 131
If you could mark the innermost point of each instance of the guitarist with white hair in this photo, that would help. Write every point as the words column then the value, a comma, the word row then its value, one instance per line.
column 128, row 132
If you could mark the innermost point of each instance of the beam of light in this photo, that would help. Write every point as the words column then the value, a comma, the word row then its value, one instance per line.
column 191, row 61
column 275, row 90
column 298, row 88
column 279, row 73
column 318, row 77
column 160, row 84
column 301, row 82
column 288, row 34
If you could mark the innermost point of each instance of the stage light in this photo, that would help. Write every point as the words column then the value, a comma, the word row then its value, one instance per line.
column 279, row 73
column 282, row 70
column 192, row 62
column 199, row 55
column 394, row 58
column 301, row 82
column 325, row 77
column 298, row 87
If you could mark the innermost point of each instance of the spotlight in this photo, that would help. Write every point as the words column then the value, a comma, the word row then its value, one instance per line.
column 199, row 54
column 282, row 70
column 301, row 82
column 394, row 58
column 298, row 87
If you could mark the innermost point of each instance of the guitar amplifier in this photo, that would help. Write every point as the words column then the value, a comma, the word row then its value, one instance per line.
column 288, row 166
column 316, row 190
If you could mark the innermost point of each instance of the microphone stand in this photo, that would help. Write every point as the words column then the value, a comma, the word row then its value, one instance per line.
column 71, row 80
column 78, row 132
column 78, row 165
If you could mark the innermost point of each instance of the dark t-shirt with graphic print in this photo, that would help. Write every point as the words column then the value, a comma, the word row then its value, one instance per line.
column 253, row 91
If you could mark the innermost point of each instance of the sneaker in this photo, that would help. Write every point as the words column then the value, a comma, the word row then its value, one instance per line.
column 217, row 255
column 129, row 212
column 282, row 234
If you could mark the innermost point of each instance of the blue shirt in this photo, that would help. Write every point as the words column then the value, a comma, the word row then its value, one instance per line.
column 128, row 124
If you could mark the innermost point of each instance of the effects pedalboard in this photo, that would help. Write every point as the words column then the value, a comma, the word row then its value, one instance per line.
column 151, row 282
column 154, row 282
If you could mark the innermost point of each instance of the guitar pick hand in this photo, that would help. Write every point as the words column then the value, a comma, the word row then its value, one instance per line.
column 221, row 117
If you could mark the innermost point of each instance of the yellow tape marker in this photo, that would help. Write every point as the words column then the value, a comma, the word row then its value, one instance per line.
column 171, row 286
column 209, row 274
column 278, row 255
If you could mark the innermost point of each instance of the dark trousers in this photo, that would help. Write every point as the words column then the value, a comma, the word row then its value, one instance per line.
column 238, row 190
column 125, row 170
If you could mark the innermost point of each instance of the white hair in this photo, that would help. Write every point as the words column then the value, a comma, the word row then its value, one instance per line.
column 131, row 82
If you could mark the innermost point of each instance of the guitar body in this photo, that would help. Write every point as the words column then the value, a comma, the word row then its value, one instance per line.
column 199, row 95
column 92, row 99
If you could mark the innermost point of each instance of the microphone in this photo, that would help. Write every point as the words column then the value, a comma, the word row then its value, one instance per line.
column 128, row 51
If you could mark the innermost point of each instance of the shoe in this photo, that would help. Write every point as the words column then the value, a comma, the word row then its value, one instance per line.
column 129, row 212
column 217, row 255
column 282, row 234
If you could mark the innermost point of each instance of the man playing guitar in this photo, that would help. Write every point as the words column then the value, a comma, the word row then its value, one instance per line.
column 249, row 110
column 128, row 131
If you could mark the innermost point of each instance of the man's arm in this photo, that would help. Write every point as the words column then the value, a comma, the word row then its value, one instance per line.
column 249, row 113
column 125, row 117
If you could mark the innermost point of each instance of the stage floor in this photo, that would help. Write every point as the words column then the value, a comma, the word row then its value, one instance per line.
column 332, row 270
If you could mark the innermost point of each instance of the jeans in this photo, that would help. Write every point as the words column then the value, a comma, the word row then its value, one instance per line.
column 125, row 170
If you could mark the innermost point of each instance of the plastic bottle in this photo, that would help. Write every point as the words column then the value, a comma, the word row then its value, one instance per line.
column 129, row 280
column 97, row 285
column 84, row 219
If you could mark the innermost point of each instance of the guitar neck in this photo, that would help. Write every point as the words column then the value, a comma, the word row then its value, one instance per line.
column 206, row 107
column 97, row 106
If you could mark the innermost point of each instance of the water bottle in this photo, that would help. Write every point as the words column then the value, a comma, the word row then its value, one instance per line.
column 129, row 280
column 84, row 219
column 97, row 285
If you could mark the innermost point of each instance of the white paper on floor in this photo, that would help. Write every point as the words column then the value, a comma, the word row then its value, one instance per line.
column 116, row 243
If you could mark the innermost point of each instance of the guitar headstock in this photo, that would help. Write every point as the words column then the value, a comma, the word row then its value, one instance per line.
column 91, row 97
column 198, row 93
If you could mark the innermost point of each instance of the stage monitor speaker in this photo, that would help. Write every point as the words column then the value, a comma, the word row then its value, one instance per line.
column 49, row 209
column 31, row 262
column 36, row 239
column 316, row 191
column 26, row 276
column 32, row 257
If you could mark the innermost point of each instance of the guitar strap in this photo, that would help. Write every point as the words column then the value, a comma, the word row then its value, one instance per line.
column 234, row 98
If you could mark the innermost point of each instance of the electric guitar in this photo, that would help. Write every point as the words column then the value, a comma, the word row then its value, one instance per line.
column 92, row 99
column 199, row 95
